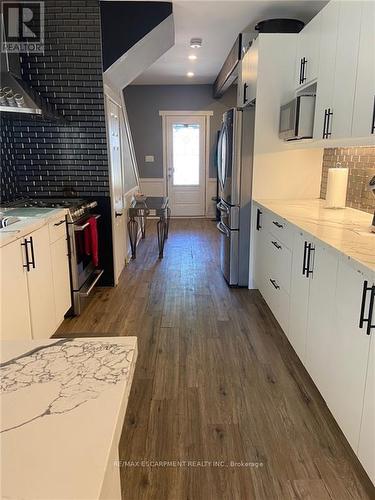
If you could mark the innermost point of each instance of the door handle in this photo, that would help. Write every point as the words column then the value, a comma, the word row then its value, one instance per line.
column 275, row 244
column 27, row 265
column 259, row 213
column 118, row 214
column 362, row 319
column 304, row 268
column 325, row 123
column 310, row 248
column 277, row 224
column 373, row 118
column 304, row 61
column 245, row 86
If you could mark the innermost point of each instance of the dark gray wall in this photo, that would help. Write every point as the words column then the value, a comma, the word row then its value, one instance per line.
column 143, row 103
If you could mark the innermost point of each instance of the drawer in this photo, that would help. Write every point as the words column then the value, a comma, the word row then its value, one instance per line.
column 57, row 229
column 280, row 261
column 278, row 301
column 279, row 227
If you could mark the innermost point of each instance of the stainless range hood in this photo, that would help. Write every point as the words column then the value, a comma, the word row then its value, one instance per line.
column 23, row 99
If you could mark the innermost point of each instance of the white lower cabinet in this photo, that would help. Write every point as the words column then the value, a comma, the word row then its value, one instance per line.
column 349, row 349
column 299, row 294
column 331, row 325
column 40, row 285
column 321, row 316
column 366, row 447
column 14, row 300
column 35, row 283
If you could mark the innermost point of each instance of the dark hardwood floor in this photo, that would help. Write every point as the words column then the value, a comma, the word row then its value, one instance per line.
column 216, row 380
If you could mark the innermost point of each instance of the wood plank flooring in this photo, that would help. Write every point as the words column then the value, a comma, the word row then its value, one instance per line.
column 216, row 380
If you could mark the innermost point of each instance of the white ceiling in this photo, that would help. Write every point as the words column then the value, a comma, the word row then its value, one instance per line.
column 218, row 23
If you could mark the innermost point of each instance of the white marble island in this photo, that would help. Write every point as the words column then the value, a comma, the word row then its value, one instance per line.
column 63, row 403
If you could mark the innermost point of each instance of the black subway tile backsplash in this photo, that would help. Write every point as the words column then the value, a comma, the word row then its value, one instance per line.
column 40, row 157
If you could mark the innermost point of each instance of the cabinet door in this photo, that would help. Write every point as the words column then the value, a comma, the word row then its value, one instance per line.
column 364, row 102
column 308, row 50
column 252, row 71
column 345, row 70
column 40, row 285
column 61, row 278
column 366, row 448
column 321, row 316
column 14, row 300
column 349, row 351
column 327, row 56
column 299, row 295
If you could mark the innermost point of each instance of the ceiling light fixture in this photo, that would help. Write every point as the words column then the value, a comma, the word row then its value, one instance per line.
column 196, row 43
column 190, row 74
column 192, row 57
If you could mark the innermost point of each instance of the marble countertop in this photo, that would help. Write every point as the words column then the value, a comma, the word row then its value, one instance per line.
column 27, row 225
column 347, row 230
column 63, row 403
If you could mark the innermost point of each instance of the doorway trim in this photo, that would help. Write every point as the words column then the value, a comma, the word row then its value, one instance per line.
column 207, row 114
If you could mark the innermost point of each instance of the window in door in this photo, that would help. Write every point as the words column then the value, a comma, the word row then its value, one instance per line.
column 186, row 154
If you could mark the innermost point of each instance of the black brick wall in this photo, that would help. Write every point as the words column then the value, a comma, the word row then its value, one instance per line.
column 47, row 158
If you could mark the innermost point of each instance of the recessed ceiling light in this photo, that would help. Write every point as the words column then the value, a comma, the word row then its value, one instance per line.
column 190, row 74
column 192, row 57
column 196, row 43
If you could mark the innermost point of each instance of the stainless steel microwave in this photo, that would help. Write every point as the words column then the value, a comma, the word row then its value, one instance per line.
column 297, row 118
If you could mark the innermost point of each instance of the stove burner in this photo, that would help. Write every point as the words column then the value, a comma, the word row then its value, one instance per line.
column 77, row 207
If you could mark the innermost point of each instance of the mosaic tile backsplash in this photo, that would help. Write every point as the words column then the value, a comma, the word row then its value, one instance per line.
column 361, row 164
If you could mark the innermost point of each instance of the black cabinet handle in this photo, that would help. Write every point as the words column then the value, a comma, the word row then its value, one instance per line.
column 277, row 224
column 118, row 214
column 329, row 115
column 362, row 318
column 310, row 249
column 304, row 267
column 370, row 311
column 300, row 70
column 59, row 223
column 304, row 61
column 325, row 123
column 27, row 265
column 274, row 284
column 245, row 86
column 259, row 213
column 373, row 118
column 32, row 252
column 275, row 244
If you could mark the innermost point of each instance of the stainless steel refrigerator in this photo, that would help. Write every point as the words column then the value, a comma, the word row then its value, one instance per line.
column 235, row 172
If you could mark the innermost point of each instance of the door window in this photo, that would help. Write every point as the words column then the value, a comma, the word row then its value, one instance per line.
column 186, row 154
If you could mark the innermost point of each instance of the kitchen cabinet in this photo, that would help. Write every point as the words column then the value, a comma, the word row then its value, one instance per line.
column 15, row 315
column 366, row 447
column 299, row 292
column 40, row 284
column 321, row 315
column 248, row 74
column 326, row 73
column 308, row 53
column 61, row 278
column 350, row 348
column 364, row 100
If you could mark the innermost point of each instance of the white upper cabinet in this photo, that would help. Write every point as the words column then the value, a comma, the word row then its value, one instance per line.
column 248, row 75
column 14, row 300
column 339, row 121
column 350, row 348
column 326, row 74
column 308, row 52
column 364, row 101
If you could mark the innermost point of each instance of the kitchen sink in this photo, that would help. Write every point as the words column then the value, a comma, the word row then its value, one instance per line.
column 6, row 221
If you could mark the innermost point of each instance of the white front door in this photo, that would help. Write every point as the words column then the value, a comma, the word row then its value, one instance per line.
column 186, row 164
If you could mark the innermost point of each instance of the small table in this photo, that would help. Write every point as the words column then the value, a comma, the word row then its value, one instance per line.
column 154, row 206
